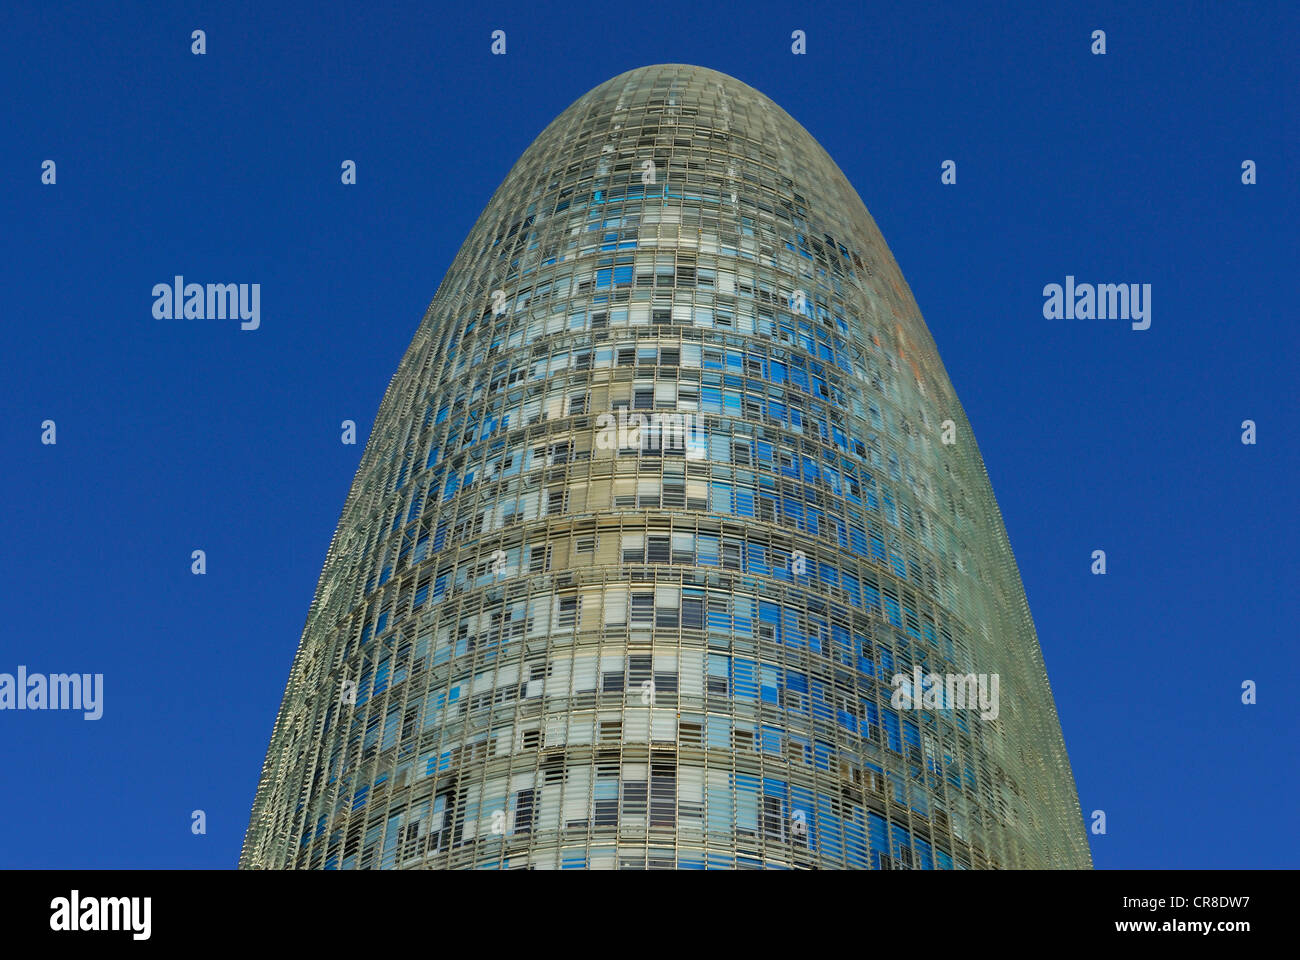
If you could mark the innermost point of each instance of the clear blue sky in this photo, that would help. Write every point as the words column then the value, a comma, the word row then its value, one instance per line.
column 175, row 435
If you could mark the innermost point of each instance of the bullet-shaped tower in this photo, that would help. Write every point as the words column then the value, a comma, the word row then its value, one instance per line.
column 666, row 510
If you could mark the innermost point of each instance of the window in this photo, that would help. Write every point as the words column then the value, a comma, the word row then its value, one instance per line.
column 568, row 612
column 411, row 840
column 683, row 548
column 633, row 548
column 605, row 795
column 692, row 613
column 667, row 602
column 663, row 796
column 539, row 558
column 643, row 607
column 773, row 818
column 690, row 733
column 634, row 800
column 524, row 812
column 657, row 550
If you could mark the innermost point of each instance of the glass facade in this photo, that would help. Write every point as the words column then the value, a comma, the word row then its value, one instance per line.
column 668, row 490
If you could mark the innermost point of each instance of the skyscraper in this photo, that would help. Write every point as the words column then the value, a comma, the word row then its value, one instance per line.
column 665, row 513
